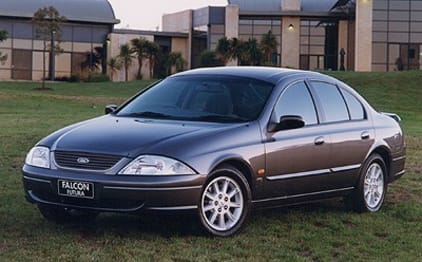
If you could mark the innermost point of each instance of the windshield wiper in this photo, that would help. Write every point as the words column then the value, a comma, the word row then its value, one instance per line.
column 148, row 114
column 221, row 118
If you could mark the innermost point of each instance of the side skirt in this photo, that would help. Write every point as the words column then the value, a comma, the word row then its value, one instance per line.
column 301, row 198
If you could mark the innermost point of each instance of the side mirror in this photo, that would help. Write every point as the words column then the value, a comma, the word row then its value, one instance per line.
column 288, row 123
column 110, row 109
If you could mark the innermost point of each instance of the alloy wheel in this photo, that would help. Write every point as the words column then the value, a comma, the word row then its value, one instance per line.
column 373, row 188
column 222, row 203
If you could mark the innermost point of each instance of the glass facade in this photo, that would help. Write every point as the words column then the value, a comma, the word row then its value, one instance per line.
column 397, row 35
column 255, row 28
column 25, row 51
column 318, row 45
column 312, row 45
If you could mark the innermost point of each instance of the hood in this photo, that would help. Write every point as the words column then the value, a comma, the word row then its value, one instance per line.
column 128, row 136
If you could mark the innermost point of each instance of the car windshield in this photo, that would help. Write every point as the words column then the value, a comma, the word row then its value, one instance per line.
column 210, row 99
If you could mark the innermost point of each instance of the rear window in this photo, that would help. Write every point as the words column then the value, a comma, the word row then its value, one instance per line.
column 355, row 107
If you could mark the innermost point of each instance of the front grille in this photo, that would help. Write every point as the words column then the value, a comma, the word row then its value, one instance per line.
column 87, row 161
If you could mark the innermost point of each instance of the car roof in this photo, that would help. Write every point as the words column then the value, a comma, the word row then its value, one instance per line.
column 268, row 74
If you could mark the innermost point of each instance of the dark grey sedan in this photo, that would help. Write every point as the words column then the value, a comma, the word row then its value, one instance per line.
column 220, row 141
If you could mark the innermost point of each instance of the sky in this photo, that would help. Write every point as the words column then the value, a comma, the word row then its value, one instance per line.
column 136, row 14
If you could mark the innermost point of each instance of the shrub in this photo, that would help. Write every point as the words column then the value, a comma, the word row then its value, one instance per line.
column 97, row 77
column 74, row 78
column 209, row 59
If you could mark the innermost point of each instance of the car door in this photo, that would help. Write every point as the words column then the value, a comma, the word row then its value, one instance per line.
column 351, row 133
column 297, row 159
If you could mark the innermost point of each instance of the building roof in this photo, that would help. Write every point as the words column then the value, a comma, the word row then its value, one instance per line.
column 275, row 5
column 91, row 11
column 147, row 32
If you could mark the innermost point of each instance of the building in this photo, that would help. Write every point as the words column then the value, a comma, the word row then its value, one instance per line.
column 360, row 35
column 87, row 27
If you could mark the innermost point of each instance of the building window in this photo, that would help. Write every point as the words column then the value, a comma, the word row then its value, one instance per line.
column 397, row 35
column 255, row 28
column 318, row 45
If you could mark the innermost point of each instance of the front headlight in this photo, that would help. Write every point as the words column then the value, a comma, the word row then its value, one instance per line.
column 156, row 165
column 39, row 156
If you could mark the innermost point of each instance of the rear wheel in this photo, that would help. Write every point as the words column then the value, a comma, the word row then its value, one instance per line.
column 370, row 194
column 225, row 202
column 62, row 215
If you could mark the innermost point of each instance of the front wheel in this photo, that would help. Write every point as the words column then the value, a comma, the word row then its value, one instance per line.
column 370, row 194
column 225, row 202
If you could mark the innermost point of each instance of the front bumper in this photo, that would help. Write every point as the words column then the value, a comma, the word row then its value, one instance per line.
column 115, row 193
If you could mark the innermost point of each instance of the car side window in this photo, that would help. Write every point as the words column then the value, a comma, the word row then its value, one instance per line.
column 332, row 102
column 355, row 107
column 297, row 100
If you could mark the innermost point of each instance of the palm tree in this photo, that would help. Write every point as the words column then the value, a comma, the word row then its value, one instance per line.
column 225, row 49
column 93, row 60
column 239, row 50
column 268, row 45
column 175, row 59
column 114, row 65
column 209, row 59
column 139, row 49
column 152, row 50
column 126, row 56
column 253, row 53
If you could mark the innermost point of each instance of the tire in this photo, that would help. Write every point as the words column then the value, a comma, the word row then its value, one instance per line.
column 225, row 202
column 60, row 215
column 370, row 193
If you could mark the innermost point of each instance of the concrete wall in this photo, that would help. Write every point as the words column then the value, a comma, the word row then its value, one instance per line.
column 363, row 41
column 232, row 26
column 343, row 41
column 178, row 22
column 290, row 42
column 290, row 5
column 180, row 45
column 290, row 37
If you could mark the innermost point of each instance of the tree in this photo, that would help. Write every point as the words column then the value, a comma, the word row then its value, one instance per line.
column 239, row 51
column 225, row 49
column 114, row 64
column 252, row 54
column 93, row 59
column 152, row 50
column 126, row 56
column 48, row 22
column 209, row 59
column 139, row 46
column 269, row 46
column 246, row 53
column 175, row 59
column 3, row 37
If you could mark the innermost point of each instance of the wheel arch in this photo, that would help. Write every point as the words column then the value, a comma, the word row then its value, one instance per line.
column 240, row 165
column 386, row 156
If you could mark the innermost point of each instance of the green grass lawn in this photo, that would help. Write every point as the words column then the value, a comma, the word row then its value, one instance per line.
column 318, row 231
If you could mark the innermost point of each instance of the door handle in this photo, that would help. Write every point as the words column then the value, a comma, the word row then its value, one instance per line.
column 319, row 141
column 365, row 135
